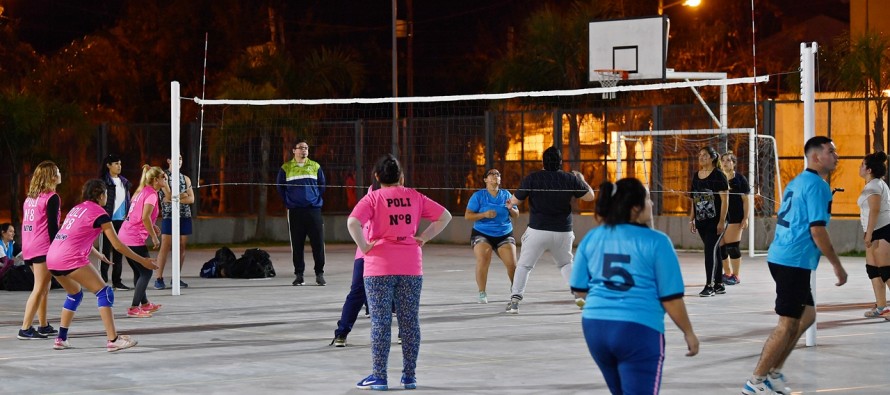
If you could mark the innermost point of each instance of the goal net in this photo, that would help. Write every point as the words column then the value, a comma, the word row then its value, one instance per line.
column 667, row 159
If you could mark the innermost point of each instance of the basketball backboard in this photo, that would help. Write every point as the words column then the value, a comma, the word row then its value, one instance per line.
column 637, row 45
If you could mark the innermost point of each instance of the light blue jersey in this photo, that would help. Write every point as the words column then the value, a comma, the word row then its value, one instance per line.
column 806, row 203
column 627, row 271
column 482, row 201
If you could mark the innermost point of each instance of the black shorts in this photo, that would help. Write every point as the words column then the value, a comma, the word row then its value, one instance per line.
column 881, row 234
column 793, row 292
column 185, row 226
column 61, row 273
column 36, row 259
column 477, row 237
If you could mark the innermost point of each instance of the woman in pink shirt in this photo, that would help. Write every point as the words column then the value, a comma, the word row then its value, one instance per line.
column 393, row 270
column 68, row 261
column 137, row 228
column 39, row 227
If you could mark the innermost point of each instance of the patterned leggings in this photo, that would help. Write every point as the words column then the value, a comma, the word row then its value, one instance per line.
column 404, row 293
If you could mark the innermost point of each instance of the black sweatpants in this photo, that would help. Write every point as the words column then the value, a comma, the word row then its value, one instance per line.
column 303, row 222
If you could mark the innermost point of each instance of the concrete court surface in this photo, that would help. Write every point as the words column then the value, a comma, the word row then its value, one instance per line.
column 224, row 336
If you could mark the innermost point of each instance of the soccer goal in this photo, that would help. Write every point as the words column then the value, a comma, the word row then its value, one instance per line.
column 666, row 159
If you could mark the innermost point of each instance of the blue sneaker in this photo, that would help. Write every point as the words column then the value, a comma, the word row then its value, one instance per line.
column 159, row 284
column 409, row 383
column 776, row 382
column 372, row 382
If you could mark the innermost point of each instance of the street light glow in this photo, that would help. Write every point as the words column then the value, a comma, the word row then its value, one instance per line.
column 685, row 3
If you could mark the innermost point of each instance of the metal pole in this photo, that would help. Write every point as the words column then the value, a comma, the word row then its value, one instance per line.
column 395, row 83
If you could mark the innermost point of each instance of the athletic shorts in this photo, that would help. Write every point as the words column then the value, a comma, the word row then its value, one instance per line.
column 477, row 237
column 881, row 234
column 792, row 289
column 61, row 273
column 36, row 259
column 185, row 226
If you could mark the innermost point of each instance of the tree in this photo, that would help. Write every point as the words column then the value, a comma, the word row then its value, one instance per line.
column 862, row 67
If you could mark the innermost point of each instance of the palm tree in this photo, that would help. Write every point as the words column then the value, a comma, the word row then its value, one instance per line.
column 861, row 67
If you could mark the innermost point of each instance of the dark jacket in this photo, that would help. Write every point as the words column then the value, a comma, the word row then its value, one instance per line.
column 112, row 191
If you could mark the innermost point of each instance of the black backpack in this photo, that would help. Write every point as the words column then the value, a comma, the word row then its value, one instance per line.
column 19, row 278
column 262, row 259
column 225, row 262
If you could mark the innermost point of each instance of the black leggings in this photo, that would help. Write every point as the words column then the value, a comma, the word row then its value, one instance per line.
column 141, row 276
column 707, row 230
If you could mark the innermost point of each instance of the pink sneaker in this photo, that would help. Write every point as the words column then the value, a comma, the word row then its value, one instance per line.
column 151, row 307
column 138, row 312
column 122, row 342
column 60, row 344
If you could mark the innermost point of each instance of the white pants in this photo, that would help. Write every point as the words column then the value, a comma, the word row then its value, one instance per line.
column 534, row 243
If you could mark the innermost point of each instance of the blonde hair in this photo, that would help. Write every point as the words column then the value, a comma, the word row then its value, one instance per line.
column 149, row 175
column 43, row 179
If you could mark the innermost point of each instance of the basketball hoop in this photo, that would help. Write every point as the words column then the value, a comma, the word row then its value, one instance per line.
column 609, row 78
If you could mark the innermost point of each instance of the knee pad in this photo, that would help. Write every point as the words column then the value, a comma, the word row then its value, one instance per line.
column 105, row 297
column 73, row 301
column 885, row 273
column 723, row 253
column 872, row 271
column 733, row 250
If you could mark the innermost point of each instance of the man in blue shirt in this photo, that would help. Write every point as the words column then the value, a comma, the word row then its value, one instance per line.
column 301, row 184
column 793, row 255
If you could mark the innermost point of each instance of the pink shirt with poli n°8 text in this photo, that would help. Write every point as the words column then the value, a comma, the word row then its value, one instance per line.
column 394, row 214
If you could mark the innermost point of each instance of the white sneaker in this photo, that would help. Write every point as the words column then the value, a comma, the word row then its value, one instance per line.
column 483, row 297
column 754, row 389
column 777, row 384
column 122, row 342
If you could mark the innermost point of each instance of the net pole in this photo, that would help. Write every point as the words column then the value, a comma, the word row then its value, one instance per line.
column 175, row 108
column 752, row 140
column 808, row 95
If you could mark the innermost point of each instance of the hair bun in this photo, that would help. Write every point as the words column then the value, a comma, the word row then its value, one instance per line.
column 881, row 156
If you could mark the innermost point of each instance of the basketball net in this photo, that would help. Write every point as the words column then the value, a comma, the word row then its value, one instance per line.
column 609, row 78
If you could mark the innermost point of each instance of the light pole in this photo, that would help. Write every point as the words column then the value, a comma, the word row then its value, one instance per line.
column 686, row 3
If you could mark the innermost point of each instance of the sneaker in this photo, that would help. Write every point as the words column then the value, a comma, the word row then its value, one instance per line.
column 735, row 279
column 60, row 344
column 47, row 330
column 409, row 383
column 122, row 342
column 372, row 382
column 719, row 289
column 30, row 334
column 483, row 297
column 580, row 302
column 513, row 306
column 777, row 384
column 121, row 287
column 319, row 280
column 137, row 312
column 759, row 388
column 707, row 292
column 183, row 284
column 150, row 307
column 298, row 281
column 159, row 284
column 875, row 312
column 339, row 341
column 729, row 280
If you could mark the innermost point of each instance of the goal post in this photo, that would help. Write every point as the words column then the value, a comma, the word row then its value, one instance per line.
column 759, row 157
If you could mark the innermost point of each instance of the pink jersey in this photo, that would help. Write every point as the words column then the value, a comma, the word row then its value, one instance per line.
column 71, row 247
column 394, row 214
column 35, row 226
column 133, row 232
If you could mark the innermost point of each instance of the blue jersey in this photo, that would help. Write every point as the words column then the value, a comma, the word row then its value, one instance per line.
column 806, row 203
column 627, row 270
column 482, row 201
